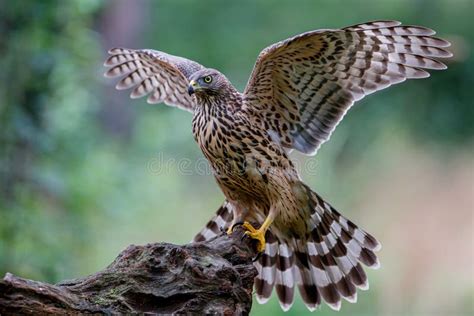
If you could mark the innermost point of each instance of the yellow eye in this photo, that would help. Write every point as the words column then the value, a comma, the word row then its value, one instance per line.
column 208, row 79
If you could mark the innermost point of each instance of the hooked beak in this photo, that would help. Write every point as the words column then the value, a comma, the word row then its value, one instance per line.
column 193, row 86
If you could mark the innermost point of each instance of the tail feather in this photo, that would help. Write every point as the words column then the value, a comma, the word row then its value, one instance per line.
column 335, row 249
column 336, row 259
column 266, row 268
column 325, row 273
column 326, row 266
column 304, row 278
column 220, row 222
column 284, row 281
column 364, row 238
column 326, row 288
column 361, row 249
column 340, row 245
column 360, row 243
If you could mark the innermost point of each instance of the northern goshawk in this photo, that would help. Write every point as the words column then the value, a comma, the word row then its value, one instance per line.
column 299, row 90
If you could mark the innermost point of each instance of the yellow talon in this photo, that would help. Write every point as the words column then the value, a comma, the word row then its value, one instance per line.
column 258, row 234
column 230, row 230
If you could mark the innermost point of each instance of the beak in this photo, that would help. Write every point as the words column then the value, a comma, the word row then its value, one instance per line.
column 193, row 86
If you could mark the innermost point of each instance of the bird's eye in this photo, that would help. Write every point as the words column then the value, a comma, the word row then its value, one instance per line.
column 208, row 79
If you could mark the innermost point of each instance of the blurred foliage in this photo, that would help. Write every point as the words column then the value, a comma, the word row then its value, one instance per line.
column 74, row 192
column 48, row 53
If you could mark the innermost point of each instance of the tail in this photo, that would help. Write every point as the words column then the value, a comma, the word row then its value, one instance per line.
column 325, row 266
column 216, row 225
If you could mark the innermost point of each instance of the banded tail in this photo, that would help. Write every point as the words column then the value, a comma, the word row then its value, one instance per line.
column 216, row 225
column 326, row 266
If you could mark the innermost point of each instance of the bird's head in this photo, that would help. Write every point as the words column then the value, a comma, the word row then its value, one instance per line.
column 207, row 82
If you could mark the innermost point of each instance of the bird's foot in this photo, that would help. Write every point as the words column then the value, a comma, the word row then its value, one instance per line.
column 230, row 230
column 257, row 234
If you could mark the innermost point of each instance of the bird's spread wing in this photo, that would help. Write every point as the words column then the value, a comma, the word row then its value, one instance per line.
column 162, row 76
column 302, row 87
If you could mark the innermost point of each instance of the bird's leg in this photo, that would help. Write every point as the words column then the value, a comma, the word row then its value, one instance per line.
column 259, row 234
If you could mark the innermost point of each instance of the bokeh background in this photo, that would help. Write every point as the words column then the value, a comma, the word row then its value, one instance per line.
column 85, row 171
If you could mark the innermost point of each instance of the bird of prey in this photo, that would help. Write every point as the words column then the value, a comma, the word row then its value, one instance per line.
column 298, row 92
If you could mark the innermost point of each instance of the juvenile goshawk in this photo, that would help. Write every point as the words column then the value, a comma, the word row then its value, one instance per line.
column 299, row 90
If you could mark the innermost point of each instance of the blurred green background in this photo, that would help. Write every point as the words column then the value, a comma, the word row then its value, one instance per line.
column 85, row 171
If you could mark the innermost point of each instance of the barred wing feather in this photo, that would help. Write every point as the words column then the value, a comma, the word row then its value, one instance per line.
column 302, row 87
column 163, row 77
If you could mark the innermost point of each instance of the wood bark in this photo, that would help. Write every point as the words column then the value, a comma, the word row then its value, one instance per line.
column 213, row 277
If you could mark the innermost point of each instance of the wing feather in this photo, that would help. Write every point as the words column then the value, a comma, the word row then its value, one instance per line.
column 163, row 77
column 308, row 82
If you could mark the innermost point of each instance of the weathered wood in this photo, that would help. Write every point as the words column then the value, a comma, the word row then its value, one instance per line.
column 214, row 277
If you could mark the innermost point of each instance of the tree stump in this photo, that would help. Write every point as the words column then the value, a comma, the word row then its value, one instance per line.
column 213, row 277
